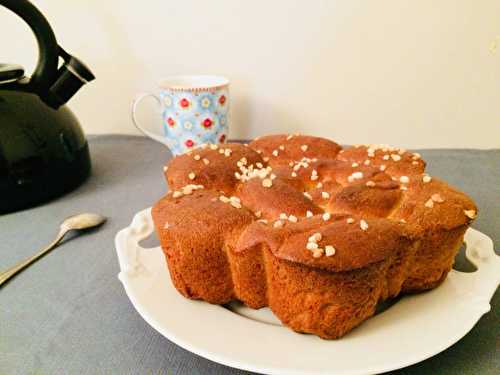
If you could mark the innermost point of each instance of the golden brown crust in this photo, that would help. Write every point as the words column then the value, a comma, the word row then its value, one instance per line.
column 212, row 166
column 376, row 201
column 283, row 148
column 433, row 259
column 309, row 300
column 395, row 161
column 194, row 230
column 317, row 233
column 272, row 201
column 354, row 246
column 434, row 205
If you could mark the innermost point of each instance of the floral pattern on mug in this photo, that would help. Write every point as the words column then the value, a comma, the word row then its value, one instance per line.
column 191, row 118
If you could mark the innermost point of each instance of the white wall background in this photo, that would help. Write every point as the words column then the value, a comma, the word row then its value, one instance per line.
column 411, row 73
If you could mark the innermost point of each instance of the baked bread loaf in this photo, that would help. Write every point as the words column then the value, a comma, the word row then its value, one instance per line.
column 318, row 233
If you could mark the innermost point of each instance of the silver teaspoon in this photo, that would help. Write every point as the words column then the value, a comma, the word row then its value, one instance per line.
column 77, row 222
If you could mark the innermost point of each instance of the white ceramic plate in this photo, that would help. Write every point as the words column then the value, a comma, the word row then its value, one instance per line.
column 415, row 328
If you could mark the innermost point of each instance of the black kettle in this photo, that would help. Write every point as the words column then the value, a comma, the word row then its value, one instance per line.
column 43, row 151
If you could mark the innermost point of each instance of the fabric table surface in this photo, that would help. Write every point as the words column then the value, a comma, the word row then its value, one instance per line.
column 69, row 314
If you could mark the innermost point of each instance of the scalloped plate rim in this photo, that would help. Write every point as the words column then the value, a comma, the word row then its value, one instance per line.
column 135, row 277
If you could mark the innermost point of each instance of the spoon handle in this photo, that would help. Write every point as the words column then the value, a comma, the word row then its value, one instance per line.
column 7, row 274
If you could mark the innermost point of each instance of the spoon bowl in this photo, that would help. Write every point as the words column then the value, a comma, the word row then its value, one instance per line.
column 82, row 221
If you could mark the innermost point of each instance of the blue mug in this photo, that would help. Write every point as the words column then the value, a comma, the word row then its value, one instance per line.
column 194, row 110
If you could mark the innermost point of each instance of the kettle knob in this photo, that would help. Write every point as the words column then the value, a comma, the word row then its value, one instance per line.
column 10, row 73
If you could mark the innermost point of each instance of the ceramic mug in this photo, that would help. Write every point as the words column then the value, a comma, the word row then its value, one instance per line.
column 194, row 110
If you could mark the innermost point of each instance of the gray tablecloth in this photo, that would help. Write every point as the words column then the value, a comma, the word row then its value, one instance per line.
column 68, row 313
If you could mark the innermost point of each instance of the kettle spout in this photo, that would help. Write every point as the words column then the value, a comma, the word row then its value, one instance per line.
column 71, row 76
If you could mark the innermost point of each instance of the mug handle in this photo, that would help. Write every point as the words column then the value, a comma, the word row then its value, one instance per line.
column 155, row 136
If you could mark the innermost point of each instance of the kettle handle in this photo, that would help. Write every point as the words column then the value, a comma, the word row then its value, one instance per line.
column 54, row 85
column 48, row 51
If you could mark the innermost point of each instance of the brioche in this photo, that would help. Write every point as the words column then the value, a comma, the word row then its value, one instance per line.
column 318, row 233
